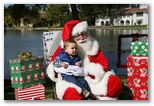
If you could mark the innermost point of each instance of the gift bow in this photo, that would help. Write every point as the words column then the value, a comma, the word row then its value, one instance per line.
column 25, row 55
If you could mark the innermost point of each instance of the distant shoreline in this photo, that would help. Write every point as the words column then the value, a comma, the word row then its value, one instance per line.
column 47, row 29
column 90, row 27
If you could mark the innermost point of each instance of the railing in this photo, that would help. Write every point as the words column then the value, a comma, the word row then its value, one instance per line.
column 135, row 37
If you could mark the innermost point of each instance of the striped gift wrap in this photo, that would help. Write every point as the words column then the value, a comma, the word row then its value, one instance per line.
column 32, row 93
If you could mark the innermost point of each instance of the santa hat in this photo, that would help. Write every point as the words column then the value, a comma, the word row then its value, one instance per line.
column 79, row 28
column 73, row 28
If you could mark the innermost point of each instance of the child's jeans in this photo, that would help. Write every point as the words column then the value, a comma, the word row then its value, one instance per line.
column 79, row 81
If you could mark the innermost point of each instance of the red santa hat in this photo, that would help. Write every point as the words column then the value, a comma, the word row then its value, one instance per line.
column 73, row 28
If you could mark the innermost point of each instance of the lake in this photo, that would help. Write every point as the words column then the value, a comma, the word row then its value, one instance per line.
column 16, row 41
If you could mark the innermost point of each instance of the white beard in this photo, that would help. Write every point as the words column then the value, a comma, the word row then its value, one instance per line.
column 89, row 46
column 86, row 45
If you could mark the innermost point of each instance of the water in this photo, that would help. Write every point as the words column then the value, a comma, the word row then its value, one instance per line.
column 16, row 41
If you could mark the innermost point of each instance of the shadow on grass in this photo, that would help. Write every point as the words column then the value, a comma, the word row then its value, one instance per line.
column 126, row 93
column 8, row 91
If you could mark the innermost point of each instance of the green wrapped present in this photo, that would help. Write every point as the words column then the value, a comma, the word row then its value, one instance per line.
column 27, row 72
column 139, row 48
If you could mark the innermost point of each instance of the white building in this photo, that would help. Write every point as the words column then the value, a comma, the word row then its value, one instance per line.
column 130, row 16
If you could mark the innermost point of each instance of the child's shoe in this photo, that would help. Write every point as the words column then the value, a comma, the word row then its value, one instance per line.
column 88, row 95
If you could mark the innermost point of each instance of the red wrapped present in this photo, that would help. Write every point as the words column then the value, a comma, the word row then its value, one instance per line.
column 137, row 72
column 32, row 93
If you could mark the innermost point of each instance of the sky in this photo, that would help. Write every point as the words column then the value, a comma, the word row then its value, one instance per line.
column 6, row 5
column 90, row 103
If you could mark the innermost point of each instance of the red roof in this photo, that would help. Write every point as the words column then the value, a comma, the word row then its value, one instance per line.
column 134, row 10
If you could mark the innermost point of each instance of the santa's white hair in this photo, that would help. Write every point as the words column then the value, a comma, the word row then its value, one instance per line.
column 79, row 28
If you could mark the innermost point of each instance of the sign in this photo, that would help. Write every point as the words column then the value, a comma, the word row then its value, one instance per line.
column 51, row 40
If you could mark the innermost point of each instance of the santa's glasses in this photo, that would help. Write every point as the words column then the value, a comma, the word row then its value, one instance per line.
column 80, row 36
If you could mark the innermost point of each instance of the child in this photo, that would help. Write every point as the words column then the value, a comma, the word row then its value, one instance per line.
column 68, row 56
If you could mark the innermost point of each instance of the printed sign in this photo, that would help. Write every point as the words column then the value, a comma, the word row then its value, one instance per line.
column 51, row 40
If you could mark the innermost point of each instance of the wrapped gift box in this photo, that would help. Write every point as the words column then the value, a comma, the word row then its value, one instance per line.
column 32, row 93
column 139, row 48
column 27, row 72
column 137, row 72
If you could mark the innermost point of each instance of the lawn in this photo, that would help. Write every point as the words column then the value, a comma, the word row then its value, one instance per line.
column 9, row 91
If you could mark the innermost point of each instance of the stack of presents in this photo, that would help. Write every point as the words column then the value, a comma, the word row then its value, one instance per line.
column 137, row 70
column 27, row 77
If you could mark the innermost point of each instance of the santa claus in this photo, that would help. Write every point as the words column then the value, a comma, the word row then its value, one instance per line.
column 103, row 83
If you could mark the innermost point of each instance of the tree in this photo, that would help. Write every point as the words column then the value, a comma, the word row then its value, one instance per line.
column 18, row 11
column 139, row 22
column 8, row 20
column 89, row 12
column 56, row 13
column 30, row 13
column 35, row 14
column 74, row 11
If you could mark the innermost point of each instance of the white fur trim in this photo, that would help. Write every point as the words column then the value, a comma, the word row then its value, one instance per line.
column 106, row 98
column 61, row 87
column 51, row 73
column 80, row 27
column 62, row 44
column 100, row 88
column 96, row 70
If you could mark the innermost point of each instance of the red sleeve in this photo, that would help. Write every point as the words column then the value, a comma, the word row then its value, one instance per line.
column 101, row 59
column 56, row 53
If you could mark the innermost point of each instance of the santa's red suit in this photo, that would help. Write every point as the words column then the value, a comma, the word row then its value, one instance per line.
column 103, row 83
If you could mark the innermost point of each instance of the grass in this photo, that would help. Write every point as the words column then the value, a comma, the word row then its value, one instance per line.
column 90, row 27
column 9, row 91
